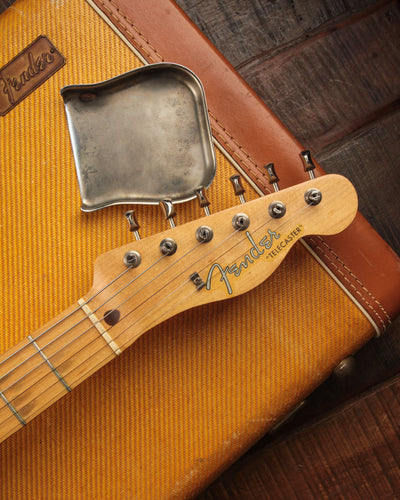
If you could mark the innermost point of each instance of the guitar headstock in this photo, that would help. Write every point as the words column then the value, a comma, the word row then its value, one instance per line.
column 220, row 255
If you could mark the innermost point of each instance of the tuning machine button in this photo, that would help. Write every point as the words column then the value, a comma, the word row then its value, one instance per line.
column 308, row 163
column 133, row 223
column 202, row 198
column 168, row 210
column 273, row 179
column 238, row 187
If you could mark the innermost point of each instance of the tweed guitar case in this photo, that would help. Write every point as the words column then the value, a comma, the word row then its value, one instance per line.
column 170, row 413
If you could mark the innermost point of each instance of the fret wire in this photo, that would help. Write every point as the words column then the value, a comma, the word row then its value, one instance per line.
column 96, row 309
column 84, row 377
column 49, row 387
column 65, row 317
column 46, row 359
column 98, row 321
column 80, row 321
column 130, row 326
column 168, row 268
column 12, row 408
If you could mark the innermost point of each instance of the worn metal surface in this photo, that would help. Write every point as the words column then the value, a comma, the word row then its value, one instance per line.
column 140, row 137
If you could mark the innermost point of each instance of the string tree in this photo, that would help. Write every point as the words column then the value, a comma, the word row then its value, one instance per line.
column 169, row 211
column 133, row 223
column 238, row 187
column 273, row 179
column 202, row 199
column 308, row 163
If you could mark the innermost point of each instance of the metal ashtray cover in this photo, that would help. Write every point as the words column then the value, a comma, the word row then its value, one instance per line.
column 140, row 137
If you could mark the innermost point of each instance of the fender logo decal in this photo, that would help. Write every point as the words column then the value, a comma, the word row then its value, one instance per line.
column 27, row 71
column 268, row 248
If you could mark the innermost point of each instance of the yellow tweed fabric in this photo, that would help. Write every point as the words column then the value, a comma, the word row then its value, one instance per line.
column 191, row 395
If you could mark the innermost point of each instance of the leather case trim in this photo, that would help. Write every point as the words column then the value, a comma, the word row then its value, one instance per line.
column 252, row 136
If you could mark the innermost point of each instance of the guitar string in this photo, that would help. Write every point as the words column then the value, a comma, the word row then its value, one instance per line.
column 157, row 320
column 79, row 308
column 61, row 320
column 101, row 319
column 87, row 316
column 96, row 339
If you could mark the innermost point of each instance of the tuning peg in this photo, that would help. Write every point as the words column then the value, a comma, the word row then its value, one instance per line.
column 238, row 187
column 203, row 201
column 308, row 163
column 169, row 211
column 133, row 224
column 272, row 177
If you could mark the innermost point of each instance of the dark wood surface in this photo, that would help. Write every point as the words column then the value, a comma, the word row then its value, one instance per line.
column 4, row 4
column 330, row 70
column 352, row 453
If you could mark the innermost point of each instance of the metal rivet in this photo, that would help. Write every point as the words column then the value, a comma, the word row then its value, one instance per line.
column 345, row 367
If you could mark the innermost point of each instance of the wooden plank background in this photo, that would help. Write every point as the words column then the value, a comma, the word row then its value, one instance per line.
column 330, row 70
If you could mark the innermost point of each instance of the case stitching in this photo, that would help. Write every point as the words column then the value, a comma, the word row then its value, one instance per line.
column 149, row 56
column 248, row 156
column 234, row 153
column 363, row 298
column 356, row 279
column 240, row 160
column 137, row 30
column 124, row 28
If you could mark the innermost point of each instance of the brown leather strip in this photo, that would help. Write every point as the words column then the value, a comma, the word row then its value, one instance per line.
column 253, row 136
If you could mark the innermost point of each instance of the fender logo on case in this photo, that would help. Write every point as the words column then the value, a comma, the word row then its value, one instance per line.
column 27, row 71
